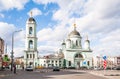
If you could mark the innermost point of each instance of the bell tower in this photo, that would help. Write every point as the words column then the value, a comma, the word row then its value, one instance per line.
column 31, row 53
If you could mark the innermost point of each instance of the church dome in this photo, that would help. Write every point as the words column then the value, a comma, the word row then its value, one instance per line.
column 74, row 32
column 87, row 39
column 68, row 39
column 31, row 19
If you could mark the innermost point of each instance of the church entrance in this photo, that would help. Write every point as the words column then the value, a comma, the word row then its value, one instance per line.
column 78, row 60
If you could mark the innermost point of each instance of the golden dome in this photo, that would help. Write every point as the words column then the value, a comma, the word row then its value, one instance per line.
column 74, row 32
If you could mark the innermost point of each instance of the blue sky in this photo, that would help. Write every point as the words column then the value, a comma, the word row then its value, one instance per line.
column 99, row 19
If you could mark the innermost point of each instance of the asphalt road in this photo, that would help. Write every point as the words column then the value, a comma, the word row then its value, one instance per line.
column 49, row 74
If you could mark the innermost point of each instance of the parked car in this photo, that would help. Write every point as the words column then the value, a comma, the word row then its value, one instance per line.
column 29, row 68
column 56, row 69
column 117, row 68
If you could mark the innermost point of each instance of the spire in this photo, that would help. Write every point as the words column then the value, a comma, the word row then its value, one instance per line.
column 31, row 13
column 87, row 40
column 74, row 24
column 87, row 37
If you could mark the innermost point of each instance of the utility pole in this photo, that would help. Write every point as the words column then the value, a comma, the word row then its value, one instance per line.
column 12, row 52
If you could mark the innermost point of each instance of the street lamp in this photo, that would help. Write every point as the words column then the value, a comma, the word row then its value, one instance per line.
column 12, row 52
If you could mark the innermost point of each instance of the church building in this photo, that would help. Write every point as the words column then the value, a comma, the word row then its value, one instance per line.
column 72, row 53
column 75, row 55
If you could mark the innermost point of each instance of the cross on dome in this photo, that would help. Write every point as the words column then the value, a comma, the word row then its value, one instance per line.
column 31, row 13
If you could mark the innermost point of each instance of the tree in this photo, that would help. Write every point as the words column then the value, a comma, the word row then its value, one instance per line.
column 64, row 63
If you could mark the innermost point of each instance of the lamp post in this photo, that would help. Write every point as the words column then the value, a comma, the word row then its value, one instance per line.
column 12, row 52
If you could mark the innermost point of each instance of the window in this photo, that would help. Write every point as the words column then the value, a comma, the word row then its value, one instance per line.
column 30, row 55
column 56, row 61
column 78, row 56
column 52, row 65
column 30, row 30
column 33, row 55
column 30, row 44
column 76, row 43
column 44, row 64
column 59, row 61
column 69, row 63
column 60, row 65
column 30, row 63
column 88, row 63
column 27, row 56
column 52, row 61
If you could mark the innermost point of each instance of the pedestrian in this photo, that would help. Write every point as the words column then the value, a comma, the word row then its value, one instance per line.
column 14, row 69
column 23, row 67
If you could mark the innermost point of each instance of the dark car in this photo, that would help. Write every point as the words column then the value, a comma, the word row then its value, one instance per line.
column 118, row 68
column 29, row 68
column 56, row 69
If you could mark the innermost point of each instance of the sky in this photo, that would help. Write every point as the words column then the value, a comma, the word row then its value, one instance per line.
column 99, row 19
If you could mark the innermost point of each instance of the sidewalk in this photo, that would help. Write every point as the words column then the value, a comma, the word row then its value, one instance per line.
column 4, row 73
column 110, row 74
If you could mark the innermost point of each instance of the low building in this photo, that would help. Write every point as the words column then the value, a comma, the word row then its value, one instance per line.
column 50, row 61
column 19, row 61
column 1, row 50
column 112, row 61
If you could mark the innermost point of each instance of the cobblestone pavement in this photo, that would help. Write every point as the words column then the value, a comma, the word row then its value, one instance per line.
column 63, row 74
column 49, row 74
column 111, row 74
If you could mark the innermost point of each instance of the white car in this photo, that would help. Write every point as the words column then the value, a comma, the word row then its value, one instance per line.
column 29, row 68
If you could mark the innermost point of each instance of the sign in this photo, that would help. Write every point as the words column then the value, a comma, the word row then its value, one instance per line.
column 104, row 62
column 104, row 57
column 84, row 62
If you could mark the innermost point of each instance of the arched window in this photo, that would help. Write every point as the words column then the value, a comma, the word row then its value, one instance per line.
column 88, row 63
column 30, row 55
column 33, row 55
column 30, row 30
column 27, row 55
column 30, row 44
column 78, row 56
column 69, row 63
column 76, row 43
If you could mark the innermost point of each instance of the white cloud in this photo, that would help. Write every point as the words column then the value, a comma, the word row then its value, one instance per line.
column 44, row 1
column 11, row 4
column 6, row 31
column 35, row 12
column 50, row 39
column 18, row 52
column 98, row 18
column 49, row 34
